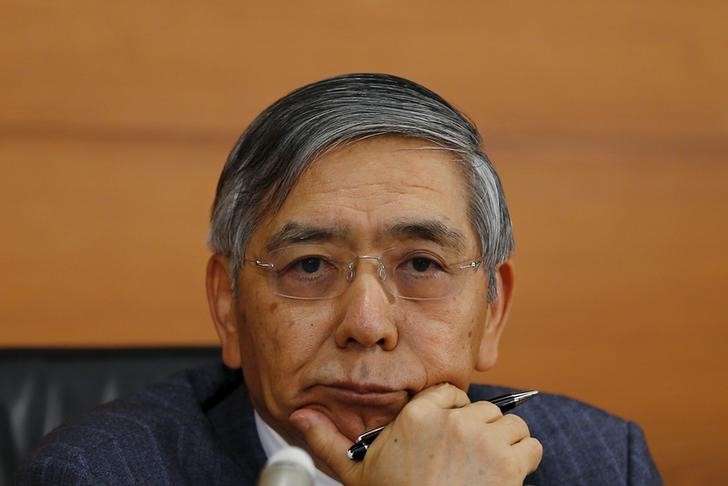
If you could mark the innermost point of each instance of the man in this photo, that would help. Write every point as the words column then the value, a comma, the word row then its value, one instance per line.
column 360, row 275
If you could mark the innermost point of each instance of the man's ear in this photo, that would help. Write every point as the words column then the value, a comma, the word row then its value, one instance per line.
column 498, row 311
column 221, row 302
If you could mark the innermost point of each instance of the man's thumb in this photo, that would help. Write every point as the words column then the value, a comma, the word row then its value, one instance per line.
column 325, row 441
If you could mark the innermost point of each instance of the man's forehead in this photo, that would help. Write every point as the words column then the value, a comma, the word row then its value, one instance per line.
column 427, row 229
column 412, row 156
column 372, row 192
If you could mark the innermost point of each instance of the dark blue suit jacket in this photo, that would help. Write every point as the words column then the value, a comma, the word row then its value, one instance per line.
column 198, row 428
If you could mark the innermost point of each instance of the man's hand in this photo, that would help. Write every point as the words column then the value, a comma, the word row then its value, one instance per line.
column 438, row 438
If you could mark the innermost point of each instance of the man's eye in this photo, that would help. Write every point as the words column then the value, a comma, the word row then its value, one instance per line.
column 310, row 264
column 421, row 264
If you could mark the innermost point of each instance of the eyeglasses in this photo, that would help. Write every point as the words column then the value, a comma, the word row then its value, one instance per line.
column 313, row 272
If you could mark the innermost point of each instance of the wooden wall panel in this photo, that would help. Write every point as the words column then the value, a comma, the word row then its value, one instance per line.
column 107, row 242
column 608, row 123
column 592, row 67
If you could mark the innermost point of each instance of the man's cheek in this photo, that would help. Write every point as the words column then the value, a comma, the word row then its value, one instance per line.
column 446, row 361
column 301, row 330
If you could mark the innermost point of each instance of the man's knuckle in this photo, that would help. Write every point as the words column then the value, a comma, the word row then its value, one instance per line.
column 415, row 414
column 538, row 448
column 519, row 425
column 488, row 410
column 492, row 408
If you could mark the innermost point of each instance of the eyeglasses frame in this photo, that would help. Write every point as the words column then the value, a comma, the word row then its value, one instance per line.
column 474, row 264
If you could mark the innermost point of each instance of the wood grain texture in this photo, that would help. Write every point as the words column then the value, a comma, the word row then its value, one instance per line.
column 607, row 122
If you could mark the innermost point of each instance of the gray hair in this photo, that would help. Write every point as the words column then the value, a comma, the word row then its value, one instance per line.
column 278, row 146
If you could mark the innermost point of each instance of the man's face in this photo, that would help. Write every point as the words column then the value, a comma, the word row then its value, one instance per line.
column 359, row 357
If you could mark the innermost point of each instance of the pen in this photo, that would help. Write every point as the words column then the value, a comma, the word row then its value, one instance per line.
column 504, row 402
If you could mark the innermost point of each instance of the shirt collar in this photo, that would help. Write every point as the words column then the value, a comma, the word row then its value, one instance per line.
column 272, row 442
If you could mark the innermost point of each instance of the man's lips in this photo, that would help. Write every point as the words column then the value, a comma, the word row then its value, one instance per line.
column 355, row 407
column 372, row 395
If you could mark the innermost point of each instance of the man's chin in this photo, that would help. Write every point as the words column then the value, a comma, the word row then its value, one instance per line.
column 352, row 420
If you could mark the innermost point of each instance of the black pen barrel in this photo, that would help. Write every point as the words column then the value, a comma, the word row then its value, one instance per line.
column 357, row 451
column 508, row 406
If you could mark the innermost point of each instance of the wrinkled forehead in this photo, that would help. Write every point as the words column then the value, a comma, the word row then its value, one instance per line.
column 382, row 189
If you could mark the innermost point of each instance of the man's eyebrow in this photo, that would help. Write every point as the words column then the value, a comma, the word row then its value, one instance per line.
column 303, row 233
column 430, row 230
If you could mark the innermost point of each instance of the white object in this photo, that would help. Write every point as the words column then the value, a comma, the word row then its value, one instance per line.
column 291, row 466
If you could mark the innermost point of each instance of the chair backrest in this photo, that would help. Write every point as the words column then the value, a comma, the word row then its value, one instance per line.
column 42, row 388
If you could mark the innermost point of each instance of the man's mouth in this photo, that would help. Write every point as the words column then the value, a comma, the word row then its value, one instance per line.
column 356, row 407
column 370, row 395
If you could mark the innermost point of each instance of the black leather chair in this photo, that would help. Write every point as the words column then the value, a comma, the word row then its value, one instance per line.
column 42, row 388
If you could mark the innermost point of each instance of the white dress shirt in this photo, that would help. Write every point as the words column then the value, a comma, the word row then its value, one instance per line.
column 272, row 442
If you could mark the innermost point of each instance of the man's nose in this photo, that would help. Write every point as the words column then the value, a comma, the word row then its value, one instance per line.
column 368, row 313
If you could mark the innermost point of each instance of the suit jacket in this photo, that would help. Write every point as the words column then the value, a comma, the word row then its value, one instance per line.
column 198, row 428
